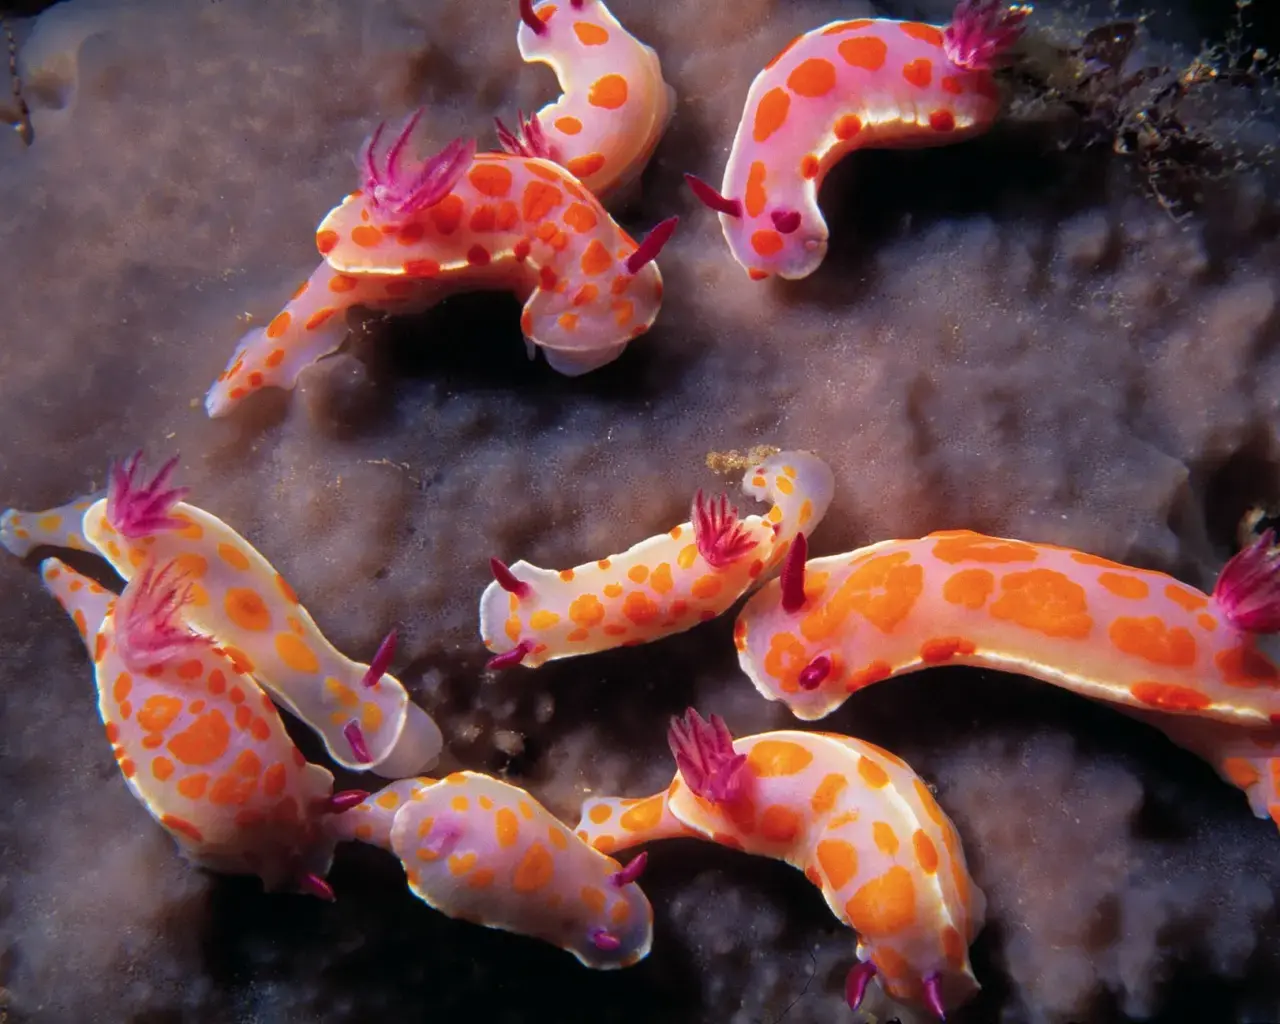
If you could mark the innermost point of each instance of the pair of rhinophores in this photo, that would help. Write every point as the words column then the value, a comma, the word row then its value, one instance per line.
column 207, row 638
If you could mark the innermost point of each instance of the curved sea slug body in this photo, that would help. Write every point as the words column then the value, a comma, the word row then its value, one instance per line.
column 197, row 741
column 481, row 850
column 864, row 83
column 419, row 231
column 1133, row 637
column 858, row 822
column 615, row 105
column 669, row 583
column 250, row 611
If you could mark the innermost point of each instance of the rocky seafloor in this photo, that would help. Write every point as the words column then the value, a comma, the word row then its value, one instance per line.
column 1028, row 334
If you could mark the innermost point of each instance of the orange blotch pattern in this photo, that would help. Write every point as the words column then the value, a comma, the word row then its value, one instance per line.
column 1150, row 639
column 812, row 78
column 918, row 72
column 608, row 92
column 766, row 242
column 246, row 609
column 1245, row 667
column 865, row 52
column 492, row 180
column 771, row 114
column 778, row 758
column 1046, row 601
column 964, row 546
column 828, row 792
column 1169, row 697
column 839, row 862
column 203, row 741
column 925, row 33
column 1124, row 585
column 969, row 588
column 754, row 196
column 586, row 165
column 534, row 871
column 885, row 905
column 941, row 649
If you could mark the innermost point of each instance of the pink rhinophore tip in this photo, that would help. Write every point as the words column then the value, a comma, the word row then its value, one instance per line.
column 536, row 25
column 137, row 507
column 982, row 31
column 712, row 199
column 605, row 941
column 792, row 580
column 400, row 191
column 814, row 673
column 507, row 579
column 651, row 245
column 313, row 885
column 705, row 757
column 933, row 996
column 511, row 657
column 719, row 534
column 381, row 661
column 1248, row 588
column 355, row 737
column 150, row 629
column 631, row 872
column 856, row 982
column 344, row 800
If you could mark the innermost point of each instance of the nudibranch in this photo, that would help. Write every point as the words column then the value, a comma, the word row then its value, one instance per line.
column 462, row 221
column 197, row 741
column 237, row 598
column 481, row 850
column 869, row 82
column 615, row 105
column 858, row 822
column 660, row 586
column 1133, row 637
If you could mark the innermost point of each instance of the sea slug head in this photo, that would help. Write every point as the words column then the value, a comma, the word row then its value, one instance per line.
column 613, row 299
column 982, row 32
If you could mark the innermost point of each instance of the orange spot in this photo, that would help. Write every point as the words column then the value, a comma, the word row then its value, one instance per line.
column 411, row 234
column 203, row 741
column 926, row 852
column 872, row 774
column 161, row 768
column 596, row 258
column 506, row 827
column 534, row 870
column 342, row 283
column 944, row 648
column 279, row 325
column 366, row 236
column 771, row 114
column 755, row 197
column 246, row 609
column 758, row 275
column 183, row 827
column 1187, row 599
column 846, row 26
column 273, row 779
column 951, row 84
column 317, row 319
column 488, row 179
column 587, row 294
column 1169, row 697
column 953, row 948
column 865, row 52
column 925, row 33
column 706, row 587
column 276, row 356
column 809, row 166
column 228, row 790
column 1046, row 601
column 1084, row 558
column 585, row 166
column 158, row 712
column 483, row 218
column 1123, row 585
column 885, row 838
column 326, row 240
column 420, row 268
column 568, row 125
column 581, row 218
column 780, row 824
column 592, row 899
column 918, row 72
column 1150, row 639
column 812, row 78
column 847, row 126
column 828, row 792
column 778, row 758
column 643, row 816
column 294, row 653
column 839, row 861
column 608, row 92
column 586, row 610
column 478, row 256
column 567, row 321
column 193, row 786
column 1240, row 772
column 930, row 804
column 884, row 905
column 446, row 215
column 966, row 546
column 942, row 120
column 969, row 588
column 766, row 242
column 639, row 608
